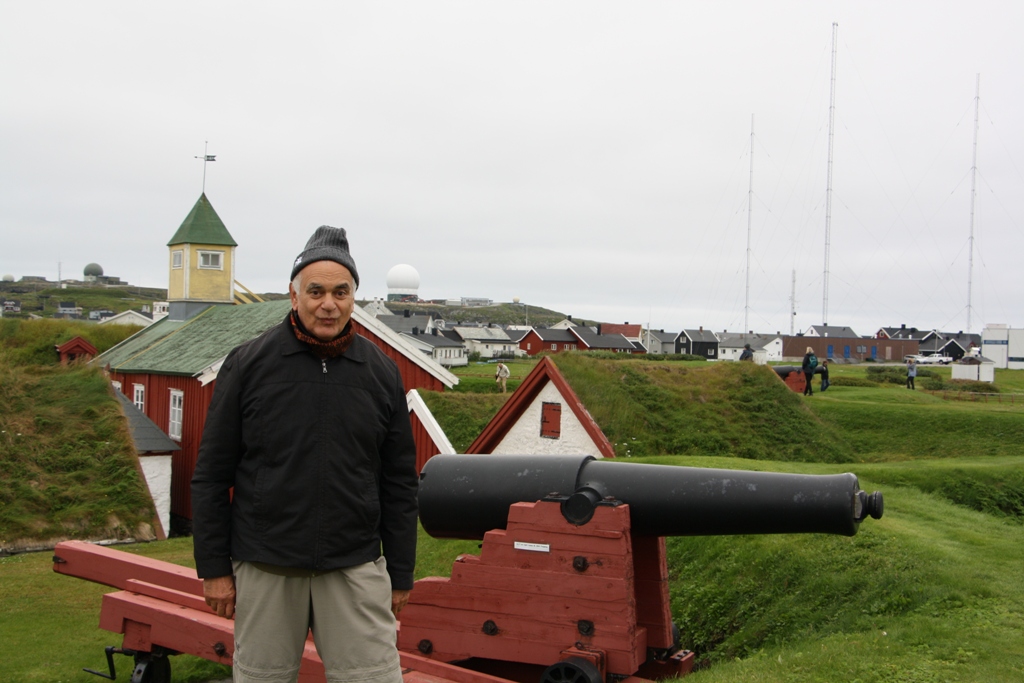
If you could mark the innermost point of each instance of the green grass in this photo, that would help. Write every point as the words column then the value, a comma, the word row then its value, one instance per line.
column 67, row 465
column 48, row 622
column 892, row 423
column 934, row 591
column 931, row 592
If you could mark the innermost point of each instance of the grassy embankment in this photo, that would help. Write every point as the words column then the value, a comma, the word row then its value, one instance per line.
column 934, row 591
column 67, row 466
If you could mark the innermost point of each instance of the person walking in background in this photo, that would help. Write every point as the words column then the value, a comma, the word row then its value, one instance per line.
column 911, row 373
column 808, row 366
column 501, row 375
column 824, row 375
column 748, row 353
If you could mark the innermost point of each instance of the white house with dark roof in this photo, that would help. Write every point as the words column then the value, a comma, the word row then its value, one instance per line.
column 659, row 341
column 766, row 347
column 446, row 352
column 841, row 331
column 489, row 342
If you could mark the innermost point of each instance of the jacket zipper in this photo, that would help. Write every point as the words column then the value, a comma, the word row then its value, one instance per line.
column 317, row 560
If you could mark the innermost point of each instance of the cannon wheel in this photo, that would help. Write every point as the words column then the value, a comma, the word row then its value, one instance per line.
column 572, row 670
column 151, row 668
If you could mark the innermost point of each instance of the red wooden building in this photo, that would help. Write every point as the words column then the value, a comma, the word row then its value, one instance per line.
column 169, row 369
column 75, row 349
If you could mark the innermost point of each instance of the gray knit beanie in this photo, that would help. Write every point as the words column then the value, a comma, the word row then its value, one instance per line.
column 326, row 244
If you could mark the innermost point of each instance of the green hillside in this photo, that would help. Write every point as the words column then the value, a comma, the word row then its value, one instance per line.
column 932, row 592
column 656, row 408
column 67, row 466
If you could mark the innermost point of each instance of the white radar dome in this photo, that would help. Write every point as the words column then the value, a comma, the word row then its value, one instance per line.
column 403, row 279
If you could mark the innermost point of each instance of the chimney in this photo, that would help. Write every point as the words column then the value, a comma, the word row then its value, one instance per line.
column 701, row 329
column 903, row 326
column 569, row 318
column 415, row 331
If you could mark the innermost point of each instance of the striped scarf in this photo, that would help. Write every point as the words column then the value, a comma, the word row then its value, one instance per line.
column 331, row 349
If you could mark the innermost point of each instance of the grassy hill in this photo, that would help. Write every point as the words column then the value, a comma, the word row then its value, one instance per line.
column 656, row 408
column 67, row 465
column 932, row 592
column 500, row 313
column 43, row 302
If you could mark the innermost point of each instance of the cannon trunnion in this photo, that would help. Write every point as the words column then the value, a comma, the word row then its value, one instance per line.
column 572, row 572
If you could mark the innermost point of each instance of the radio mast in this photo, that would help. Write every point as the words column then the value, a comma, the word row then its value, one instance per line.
column 750, row 209
column 974, row 173
column 828, row 190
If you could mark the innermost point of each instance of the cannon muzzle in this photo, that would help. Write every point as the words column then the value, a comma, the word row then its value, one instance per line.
column 465, row 496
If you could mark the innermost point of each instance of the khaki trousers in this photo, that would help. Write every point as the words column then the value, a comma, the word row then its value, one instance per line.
column 348, row 610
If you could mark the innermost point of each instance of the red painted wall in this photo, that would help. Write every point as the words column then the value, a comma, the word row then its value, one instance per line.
column 197, row 399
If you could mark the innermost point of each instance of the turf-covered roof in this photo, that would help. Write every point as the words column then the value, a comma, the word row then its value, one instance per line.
column 187, row 347
column 202, row 225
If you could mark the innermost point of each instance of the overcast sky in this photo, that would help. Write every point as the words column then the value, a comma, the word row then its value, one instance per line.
column 589, row 157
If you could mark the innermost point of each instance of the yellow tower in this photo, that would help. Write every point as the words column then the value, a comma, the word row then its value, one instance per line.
column 202, row 258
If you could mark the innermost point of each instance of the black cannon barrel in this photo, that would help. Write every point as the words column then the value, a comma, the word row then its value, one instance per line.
column 464, row 496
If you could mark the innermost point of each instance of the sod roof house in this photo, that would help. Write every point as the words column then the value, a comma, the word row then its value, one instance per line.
column 75, row 349
column 543, row 417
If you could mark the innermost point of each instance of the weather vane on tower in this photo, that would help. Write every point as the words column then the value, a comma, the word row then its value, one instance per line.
column 206, row 158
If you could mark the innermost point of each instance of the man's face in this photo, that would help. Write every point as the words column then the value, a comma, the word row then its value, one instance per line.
column 325, row 298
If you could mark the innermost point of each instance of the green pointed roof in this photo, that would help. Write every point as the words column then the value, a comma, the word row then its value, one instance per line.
column 203, row 226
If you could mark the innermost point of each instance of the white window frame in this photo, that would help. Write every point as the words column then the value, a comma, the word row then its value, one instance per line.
column 176, row 414
column 139, row 396
column 177, row 259
column 203, row 254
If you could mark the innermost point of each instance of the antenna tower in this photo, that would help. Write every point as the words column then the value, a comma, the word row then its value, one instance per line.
column 792, row 304
column 974, row 173
column 828, row 190
column 750, row 205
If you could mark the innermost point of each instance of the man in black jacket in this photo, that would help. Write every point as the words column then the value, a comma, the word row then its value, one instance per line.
column 309, row 426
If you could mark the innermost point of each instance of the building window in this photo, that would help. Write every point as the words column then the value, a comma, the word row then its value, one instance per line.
column 176, row 258
column 174, row 423
column 527, row 346
column 554, row 347
column 211, row 260
column 139, row 396
column 551, row 420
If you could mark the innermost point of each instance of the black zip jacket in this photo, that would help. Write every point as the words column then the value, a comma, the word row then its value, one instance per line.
column 321, row 457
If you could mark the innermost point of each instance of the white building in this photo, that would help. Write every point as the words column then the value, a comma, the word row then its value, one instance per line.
column 1004, row 346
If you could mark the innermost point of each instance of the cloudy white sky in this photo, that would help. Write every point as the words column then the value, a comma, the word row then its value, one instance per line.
column 589, row 157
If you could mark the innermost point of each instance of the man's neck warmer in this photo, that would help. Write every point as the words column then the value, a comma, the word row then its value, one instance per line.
column 331, row 349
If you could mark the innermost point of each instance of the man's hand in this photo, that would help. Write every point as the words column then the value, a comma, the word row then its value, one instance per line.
column 220, row 595
column 398, row 601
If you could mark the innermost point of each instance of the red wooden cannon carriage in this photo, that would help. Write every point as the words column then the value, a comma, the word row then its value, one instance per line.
column 570, row 586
